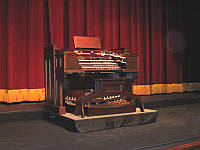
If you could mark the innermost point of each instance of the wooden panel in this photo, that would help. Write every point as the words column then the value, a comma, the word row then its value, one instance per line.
column 53, row 65
column 87, row 42
column 132, row 63
column 110, row 85
column 71, row 63
column 21, row 107
column 102, row 110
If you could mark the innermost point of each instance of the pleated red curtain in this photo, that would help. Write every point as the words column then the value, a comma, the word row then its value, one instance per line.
column 22, row 40
column 3, row 44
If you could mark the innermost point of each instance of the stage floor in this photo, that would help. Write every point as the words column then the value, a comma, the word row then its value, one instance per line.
column 175, row 125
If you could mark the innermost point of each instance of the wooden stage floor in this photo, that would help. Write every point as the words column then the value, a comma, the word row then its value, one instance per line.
column 23, row 106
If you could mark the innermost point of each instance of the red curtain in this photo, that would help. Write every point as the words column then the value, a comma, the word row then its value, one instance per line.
column 3, row 44
column 22, row 41
column 142, row 26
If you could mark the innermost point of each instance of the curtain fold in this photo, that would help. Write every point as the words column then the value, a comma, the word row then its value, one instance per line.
column 23, row 45
column 154, row 29
column 17, row 44
column 3, row 44
column 174, row 43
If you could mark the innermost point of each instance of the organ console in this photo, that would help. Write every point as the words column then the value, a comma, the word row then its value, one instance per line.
column 90, row 81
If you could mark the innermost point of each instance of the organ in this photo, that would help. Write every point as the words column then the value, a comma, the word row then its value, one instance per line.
column 90, row 81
